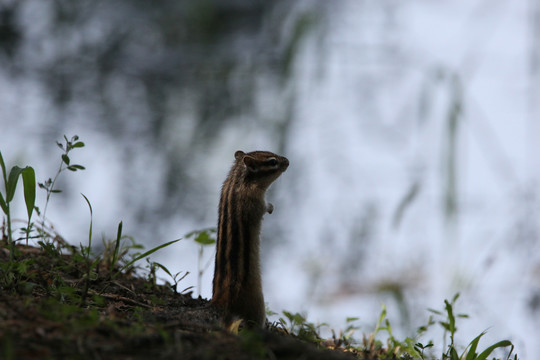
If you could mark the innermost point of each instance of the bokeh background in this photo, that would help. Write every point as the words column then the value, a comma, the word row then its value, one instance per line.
column 412, row 128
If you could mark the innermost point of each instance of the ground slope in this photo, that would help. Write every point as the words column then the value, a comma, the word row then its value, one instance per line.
column 55, row 303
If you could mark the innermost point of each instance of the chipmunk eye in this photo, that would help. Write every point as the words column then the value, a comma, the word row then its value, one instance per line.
column 272, row 162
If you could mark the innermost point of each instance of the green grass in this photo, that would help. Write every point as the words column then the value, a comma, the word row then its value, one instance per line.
column 393, row 348
column 74, row 287
column 50, row 242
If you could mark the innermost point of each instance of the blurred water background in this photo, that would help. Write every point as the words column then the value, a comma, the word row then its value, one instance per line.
column 412, row 128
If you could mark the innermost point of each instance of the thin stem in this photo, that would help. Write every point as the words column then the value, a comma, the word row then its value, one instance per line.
column 28, row 225
column 199, row 277
column 10, row 238
column 49, row 192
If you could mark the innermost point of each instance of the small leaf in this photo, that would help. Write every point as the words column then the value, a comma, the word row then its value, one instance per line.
column 451, row 318
column 163, row 268
column 453, row 354
column 78, row 144
column 29, row 184
column 3, row 166
column 75, row 167
column 56, row 191
column 204, row 238
column 182, row 277
column 74, row 138
column 12, row 182
column 422, row 346
column 196, row 232
column 65, row 159
column 489, row 350
column 186, row 289
column 60, row 145
column 3, row 204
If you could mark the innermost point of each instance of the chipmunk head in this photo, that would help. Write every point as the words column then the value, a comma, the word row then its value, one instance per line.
column 261, row 167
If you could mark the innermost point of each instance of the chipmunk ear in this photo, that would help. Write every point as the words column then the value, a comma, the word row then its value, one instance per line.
column 251, row 163
column 239, row 154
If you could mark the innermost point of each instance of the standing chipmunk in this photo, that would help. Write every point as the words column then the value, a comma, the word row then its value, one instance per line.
column 237, row 287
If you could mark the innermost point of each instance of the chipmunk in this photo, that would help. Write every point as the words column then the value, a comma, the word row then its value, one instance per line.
column 237, row 287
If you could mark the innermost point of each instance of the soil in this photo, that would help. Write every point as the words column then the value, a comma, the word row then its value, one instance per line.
column 52, row 307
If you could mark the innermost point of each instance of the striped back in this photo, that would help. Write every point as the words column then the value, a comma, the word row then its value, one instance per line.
column 241, row 208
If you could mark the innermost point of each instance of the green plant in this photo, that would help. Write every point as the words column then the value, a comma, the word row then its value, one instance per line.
column 10, row 185
column 176, row 278
column 345, row 338
column 116, row 248
column 138, row 256
column 297, row 325
column 394, row 347
column 65, row 164
column 15, row 275
column 351, row 328
column 86, row 251
column 115, row 252
column 152, row 278
column 450, row 328
column 204, row 238
column 412, row 348
column 71, row 290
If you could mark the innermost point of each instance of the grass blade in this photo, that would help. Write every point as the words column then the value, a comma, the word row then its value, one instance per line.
column 29, row 185
column 489, row 350
column 117, row 246
column 90, row 266
column 3, row 166
column 451, row 318
column 471, row 355
column 90, row 230
column 163, row 268
column 149, row 252
column 406, row 201
column 3, row 204
column 11, row 185
column 453, row 353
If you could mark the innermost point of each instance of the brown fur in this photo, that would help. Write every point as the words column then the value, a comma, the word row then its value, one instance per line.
column 237, row 285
